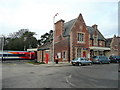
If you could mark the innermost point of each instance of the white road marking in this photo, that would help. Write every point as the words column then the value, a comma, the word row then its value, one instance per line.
column 67, row 80
column 92, row 80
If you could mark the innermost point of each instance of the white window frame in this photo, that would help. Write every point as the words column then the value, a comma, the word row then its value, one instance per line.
column 100, row 43
column 59, row 54
column 80, row 37
column 64, row 55
column 78, row 53
column 95, row 40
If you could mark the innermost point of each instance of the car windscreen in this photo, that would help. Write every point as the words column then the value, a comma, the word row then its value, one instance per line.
column 75, row 59
column 94, row 57
column 117, row 56
column 86, row 59
column 82, row 59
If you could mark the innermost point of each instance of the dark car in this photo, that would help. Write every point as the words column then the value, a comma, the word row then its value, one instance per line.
column 115, row 59
column 81, row 61
column 100, row 59
column 119, row 67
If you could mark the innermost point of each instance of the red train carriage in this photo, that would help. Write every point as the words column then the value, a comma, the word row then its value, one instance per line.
column 18, row 55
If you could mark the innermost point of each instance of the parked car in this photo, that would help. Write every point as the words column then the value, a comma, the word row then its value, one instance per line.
column 100, row 59
column 81, row 61
column 115, row 59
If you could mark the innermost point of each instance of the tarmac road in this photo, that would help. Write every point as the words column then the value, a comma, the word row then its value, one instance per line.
column 22, row 75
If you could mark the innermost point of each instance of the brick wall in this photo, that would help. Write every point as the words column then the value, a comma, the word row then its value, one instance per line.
column 59, row 30
column 62, row 46
column 61, row 43
column 79, row 27
column 115, row 46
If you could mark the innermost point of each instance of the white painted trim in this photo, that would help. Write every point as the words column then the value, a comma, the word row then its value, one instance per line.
column 99, row 48
column 33, row 49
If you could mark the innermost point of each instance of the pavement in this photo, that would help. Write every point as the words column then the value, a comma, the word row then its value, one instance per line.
column 51, row 64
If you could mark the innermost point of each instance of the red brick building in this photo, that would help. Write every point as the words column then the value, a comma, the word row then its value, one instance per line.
column 44, row 53
column 115, row 46
column 75, row 39
column 97, row 42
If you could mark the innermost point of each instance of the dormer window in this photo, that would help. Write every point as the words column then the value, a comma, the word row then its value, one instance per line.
column 95, row 41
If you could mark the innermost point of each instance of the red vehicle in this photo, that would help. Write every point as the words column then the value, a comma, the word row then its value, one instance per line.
column 18, row 55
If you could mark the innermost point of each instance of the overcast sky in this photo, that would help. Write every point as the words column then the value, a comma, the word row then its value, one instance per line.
column 37, row 15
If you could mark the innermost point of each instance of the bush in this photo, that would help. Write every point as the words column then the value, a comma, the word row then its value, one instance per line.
column 42, row 62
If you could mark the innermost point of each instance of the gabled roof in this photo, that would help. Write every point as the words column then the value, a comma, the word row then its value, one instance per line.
column 46, row 46
column 109, row 39
column 108, row 42
column 91, row 32
column 67, row 27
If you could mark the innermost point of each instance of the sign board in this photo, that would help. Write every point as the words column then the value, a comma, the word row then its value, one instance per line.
column 85, row 48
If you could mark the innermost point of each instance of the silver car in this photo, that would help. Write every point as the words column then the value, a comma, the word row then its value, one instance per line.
column 100, row 59
column 81, row 61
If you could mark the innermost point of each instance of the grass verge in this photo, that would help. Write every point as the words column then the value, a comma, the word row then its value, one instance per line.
column 36, row 63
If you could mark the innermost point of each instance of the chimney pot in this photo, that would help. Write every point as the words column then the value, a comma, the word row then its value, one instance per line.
column 95, row 26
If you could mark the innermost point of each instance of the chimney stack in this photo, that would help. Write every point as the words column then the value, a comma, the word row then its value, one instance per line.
column 59, row 26
column 95, row 26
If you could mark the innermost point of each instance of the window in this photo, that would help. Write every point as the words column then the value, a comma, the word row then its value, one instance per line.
column 95, row 40
column 59, row 55
column 80, row 37
column 99, row 43
column 78, row 52
column 64, row 55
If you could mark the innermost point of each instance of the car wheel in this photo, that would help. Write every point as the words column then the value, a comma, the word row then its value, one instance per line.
column 108, row 62
column 117, row 62
column 100, row 62
column 90, row 63
column 73, row 64
column 81, row 64
column 78, row 64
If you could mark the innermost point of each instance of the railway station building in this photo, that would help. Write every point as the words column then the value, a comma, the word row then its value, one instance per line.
column 75, row 39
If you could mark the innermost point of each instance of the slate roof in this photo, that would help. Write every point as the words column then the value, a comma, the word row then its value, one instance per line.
column 108, row 42
column 46, row 46
column 91, row 31
column 67, row 27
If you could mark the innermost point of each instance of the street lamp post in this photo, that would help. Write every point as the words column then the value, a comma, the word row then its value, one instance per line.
column 2, row 44
column 53, row 35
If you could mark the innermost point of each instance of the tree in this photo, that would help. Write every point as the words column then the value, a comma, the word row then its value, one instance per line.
column 45, row 38
column 23, row 39
column 18, row 34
